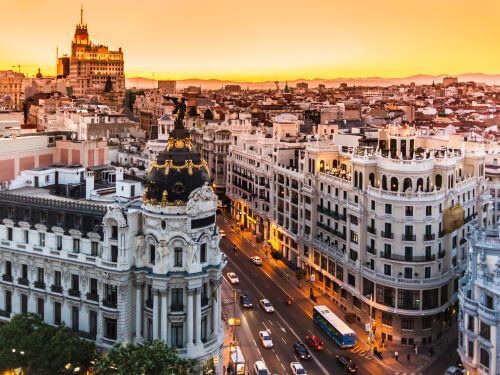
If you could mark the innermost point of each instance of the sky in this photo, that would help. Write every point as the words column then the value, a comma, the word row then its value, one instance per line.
column 260, row 40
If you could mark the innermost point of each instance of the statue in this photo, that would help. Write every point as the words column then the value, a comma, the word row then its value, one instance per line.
column 180, row 110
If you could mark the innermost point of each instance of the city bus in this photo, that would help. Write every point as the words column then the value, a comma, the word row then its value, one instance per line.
column 335, row 327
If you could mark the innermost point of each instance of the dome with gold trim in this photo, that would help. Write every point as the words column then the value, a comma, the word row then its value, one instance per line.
column 176, row 172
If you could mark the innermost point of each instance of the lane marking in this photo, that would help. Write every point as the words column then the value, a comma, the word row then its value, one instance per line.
column 271, row 322
column 283, row 340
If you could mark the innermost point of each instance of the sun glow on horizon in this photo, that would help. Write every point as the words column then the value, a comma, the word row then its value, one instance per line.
column 262, row 40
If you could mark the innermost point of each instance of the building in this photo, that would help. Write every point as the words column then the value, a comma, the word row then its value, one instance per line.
column 302, row 86
column 167, row 87
column 63, row 66
column 115, row 267
column 11, row 88
column 493, row 175
column 448, row 81
column 233, row 88
column 94, row 69
column 479, row 296
column 381, row 229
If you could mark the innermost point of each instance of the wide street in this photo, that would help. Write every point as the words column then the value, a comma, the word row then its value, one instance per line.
column 289, row 323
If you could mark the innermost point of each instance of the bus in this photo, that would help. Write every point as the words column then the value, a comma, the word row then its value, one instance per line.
column 335, row 327
column 236, row 360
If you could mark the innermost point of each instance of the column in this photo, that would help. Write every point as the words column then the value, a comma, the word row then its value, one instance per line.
column 138, row 311
column 164, row 314
column 189, row 317
column 215, row 308
column 156, row 313
column 198, row 316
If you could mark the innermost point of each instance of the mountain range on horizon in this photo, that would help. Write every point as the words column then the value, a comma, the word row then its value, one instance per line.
column 419, row 79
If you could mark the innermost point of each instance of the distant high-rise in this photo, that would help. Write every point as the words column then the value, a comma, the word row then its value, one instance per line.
column 448, row 81
column 167, row 86
column 91, row 66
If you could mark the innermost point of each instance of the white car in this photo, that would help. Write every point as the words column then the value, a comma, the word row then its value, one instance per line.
column 260, row 368
column 222, row 233
column 265, row 339
column 297, row 368
column 266, row 305
column 452, row 370
column 233, row 279
column 256, row 260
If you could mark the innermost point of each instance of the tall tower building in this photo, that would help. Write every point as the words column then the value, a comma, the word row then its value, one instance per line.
column 92, row 66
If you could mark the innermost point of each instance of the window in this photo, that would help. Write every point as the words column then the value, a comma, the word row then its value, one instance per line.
column 114, row 253
column 384, row 295
column 24, row 271
column 373, row 205
column 485, row 331
column 24, row 303
column 386, row 319
column 407, row 324
column 110, row 295
column 94, row 246
column 40, row 307
column 75, row 319
column 177, row 299
column 408, row 299
column 152, row 254
column 177, row 337
column 354, row 237
column 93, row 286
column 426, row 322
column 41, row 239
column 40, row 275
column 484, row 358
column 470, row 347
column 203, row 253
column 178, row 257
column 114, row 232
column 339, row 272
column 8, row 268
column 26, row 235
column 408, row 272
column 93, row 323
column 427, row 272
column 428, row 210
column 488, row 301
column 76, row 245
column 110, row 328
column 351, row 280
column 470, row 323
column 408, row 210
column 388, row 208
column 59, row 242
column 75, row 282
column 387, row 269
column 57, row 313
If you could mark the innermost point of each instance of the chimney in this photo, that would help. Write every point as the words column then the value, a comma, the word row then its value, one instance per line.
column 89, row 183
column 119, row 173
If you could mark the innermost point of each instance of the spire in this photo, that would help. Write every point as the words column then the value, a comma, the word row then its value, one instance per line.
column 81, row 15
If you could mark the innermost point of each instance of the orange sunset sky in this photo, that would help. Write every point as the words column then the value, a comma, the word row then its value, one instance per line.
column 261, row 39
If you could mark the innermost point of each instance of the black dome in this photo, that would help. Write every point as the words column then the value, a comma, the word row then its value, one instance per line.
column 177, row 171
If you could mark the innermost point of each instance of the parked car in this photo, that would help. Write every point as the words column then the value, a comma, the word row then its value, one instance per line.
column 453, row 370
column 222, row 233
column 314, row 342
column 265, row 339
column 297, row 368
column 256, row 260
column 260, row 368
column 233, row 279
column 347, row 364
column 301, row 350
column 245, row 301
column 266, row 305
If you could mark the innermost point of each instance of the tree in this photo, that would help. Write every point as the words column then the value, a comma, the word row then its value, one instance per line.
column 40, row 348
column 152, row 357
column 300, row 274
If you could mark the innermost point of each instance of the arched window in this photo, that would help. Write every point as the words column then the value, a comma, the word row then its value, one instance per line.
column 394, row 184
column 321, row 165
column 371, row 177
column 428, row 184
column 360, row 180
column 407, row 184
column 438, row 181
column 335, row 163
column 384, row 182
column 420, row 184
column 355, row 179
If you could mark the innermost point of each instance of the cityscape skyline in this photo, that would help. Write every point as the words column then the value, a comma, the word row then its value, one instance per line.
column 196, row 45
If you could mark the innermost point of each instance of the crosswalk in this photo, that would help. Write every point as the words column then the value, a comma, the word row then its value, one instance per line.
column 361, row 351
column 227, row 301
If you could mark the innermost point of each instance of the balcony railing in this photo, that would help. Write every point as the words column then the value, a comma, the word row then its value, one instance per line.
column 74, row 293
column 149, row 303
column 371, row 250
column 441, row 254
column 409, row 237
column 91, row 296
column 39, row 285
column 56, row 288
column 372, row 230
column 441, row 233
column 109, row 303
column 23, row 281
column 389, row 235
column 429, row 237
column 8, row 278
column 407, row 258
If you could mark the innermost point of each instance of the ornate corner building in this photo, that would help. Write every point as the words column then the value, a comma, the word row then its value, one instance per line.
column 149, row 268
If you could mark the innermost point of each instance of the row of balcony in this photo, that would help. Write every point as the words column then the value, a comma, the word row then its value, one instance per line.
column 331, row 213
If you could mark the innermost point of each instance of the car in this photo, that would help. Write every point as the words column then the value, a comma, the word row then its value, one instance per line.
column 260, row 368
column 453, row 370
column 245, row 301
column 314, row 342
column 347, row 364
column 265, row 339
column 256, row 260
column 222, row 233
column 233, row 279
column 300, row 349
column 297, row 368
column 266, row 305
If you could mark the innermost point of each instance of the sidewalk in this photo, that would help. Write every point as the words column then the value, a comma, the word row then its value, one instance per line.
column 418, row 362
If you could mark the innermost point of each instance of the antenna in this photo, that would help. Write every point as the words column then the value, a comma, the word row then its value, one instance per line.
column 81, row 15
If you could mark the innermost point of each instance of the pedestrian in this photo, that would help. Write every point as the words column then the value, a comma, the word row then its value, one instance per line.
column 416, row 350
column 408, row 357
column 223, row 370
column 396, row 355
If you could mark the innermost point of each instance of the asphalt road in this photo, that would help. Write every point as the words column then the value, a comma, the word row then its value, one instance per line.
column 289, row 323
